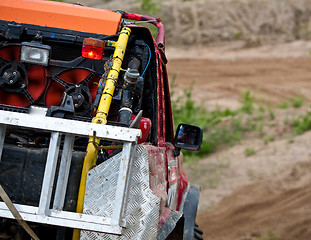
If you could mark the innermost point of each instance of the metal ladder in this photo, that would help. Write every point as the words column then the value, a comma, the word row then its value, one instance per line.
column 36, row 119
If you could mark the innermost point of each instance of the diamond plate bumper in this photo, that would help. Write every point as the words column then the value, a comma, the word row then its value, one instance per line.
column 141, row 212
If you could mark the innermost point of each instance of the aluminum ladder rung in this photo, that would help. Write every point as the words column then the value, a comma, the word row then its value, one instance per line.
column 58, row 127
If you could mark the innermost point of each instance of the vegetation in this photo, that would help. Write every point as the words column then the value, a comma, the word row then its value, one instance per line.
column 269, row 139
column 271, row 114
column 283, row 105
column 248, row 103
column 249, row 151
column 297, row 102
column 302, row 123
column 226, row 127
column 271, row 236
column 237, row 36
column 149, row 7
column 220, row 127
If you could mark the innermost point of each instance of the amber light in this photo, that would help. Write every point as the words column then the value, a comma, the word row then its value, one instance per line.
column 93, row 48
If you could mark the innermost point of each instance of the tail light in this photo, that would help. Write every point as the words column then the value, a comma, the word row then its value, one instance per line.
column 93, row 48
column 35, row 53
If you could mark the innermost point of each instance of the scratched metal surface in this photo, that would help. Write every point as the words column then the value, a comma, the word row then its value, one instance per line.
column 142, row 213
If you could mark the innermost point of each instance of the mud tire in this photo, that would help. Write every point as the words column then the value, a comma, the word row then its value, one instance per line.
column 198, row 233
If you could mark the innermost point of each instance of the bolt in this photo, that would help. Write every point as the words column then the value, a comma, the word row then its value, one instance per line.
column 79, row 96
column 11, row 81
column 14, row 73
column 76, row 105
column 5, row 74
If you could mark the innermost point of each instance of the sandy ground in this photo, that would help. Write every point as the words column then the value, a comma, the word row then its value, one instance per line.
column 266, row 196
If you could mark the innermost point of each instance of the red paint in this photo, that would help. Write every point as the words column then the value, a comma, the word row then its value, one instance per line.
column 159, row 156
column 166, row 212
column 144, row 126
column 160, row 102
column 159, row 24
column 158, row 174
column 133, row 16
column 152, row 20
column 182, row 184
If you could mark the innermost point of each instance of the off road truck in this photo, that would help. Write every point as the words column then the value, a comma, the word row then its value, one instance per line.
column 87, row 142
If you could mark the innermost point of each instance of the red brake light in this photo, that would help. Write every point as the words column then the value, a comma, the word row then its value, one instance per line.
column 93, row 48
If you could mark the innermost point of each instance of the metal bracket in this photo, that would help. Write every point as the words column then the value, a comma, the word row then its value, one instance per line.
column 14, row 31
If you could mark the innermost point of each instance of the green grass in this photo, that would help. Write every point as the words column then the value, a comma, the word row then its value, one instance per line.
column 223, row 128
column 284, row 105
column 297, row 102
column 269, row 139
column 237, row 36
column 260, row 128
column 248, row 103
column 302, row 123
column 249, row 151
column 271, row 114
column 148, row 7
column 271, row 236
column 215, row 132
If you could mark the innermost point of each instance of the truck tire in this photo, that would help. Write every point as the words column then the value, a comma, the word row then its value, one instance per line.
column 198, row 233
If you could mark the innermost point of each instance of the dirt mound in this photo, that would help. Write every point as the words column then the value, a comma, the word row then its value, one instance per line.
column 265, row 196
column 265, row 208
column 254, row 21
column 209, row 22
column 222, row 82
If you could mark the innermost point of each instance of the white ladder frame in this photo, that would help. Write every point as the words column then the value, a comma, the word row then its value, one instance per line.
column 71, row 128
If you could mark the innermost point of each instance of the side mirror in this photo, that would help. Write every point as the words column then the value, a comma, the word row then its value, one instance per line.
column 188, row 137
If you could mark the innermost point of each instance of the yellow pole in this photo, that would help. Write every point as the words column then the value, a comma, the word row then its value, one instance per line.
column 101, row 117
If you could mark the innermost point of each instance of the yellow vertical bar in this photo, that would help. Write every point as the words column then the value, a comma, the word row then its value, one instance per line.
column 101, row 117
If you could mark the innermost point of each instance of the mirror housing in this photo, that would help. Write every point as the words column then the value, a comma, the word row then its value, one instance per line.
column 188, row 137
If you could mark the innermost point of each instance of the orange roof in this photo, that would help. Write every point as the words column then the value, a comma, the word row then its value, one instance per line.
column 60, row 15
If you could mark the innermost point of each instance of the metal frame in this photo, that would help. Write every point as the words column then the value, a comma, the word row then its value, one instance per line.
column 71, row 128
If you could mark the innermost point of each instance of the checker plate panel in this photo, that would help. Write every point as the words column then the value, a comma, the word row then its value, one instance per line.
column 142, row 211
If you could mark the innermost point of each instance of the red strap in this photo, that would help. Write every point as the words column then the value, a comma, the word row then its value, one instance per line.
column 159, row 24
column 133, row 16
